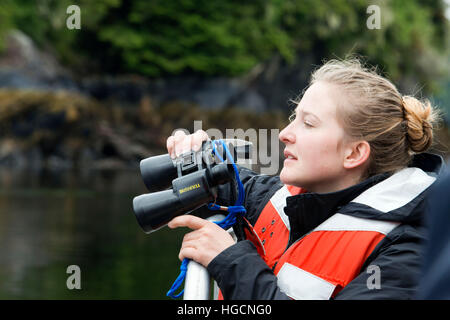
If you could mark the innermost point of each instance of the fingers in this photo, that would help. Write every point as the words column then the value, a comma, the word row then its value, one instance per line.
column 189, row 221
column 187, row 252
column 197, row 138
column 195, row 246
column 180, row 142
column 205, row 242
column 173, row 143
column 170, row 143
column 188, row 247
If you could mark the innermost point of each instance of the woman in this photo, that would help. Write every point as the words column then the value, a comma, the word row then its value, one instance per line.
column 343, row 219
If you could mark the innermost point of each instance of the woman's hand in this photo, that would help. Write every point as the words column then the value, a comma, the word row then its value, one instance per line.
column 205, row 242
column 180, row 142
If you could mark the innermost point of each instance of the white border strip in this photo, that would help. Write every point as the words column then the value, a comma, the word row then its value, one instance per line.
column 397, row 190
column 302, row 285
column 279, row 202
column 343, row 222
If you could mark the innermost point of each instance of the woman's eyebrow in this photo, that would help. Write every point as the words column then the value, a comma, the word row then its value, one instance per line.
column 298, row 110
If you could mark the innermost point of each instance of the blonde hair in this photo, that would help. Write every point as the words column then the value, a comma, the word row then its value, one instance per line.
column 395, row 126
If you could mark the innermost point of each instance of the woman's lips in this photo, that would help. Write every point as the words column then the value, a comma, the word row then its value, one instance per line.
column 289, row 157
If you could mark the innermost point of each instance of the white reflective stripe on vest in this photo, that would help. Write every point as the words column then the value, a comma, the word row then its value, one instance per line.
column 278, row 201
column 302, row 285
column 343, row 222
column 397, row 190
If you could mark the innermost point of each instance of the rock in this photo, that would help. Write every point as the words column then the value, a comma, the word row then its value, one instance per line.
column 216, row 93
column 24, row 66
column 35, row 159
column 55, row 163
column 269, row 85
column 119, row 145
column 86, row 158
column 109, row 164
column 125, row 89
column 15, row 159
column 252, row 101
column 62, row 130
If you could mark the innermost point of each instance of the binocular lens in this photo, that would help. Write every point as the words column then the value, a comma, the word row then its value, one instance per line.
column 154, row 210
column 158, row 172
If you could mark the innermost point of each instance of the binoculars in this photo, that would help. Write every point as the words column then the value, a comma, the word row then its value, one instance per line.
column 193, row 177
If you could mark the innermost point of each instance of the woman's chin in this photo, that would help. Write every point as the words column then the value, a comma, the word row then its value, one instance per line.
column 289, row 178
column 286, row 177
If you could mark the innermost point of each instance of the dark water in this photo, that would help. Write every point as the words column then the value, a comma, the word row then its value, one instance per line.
column 49, row 221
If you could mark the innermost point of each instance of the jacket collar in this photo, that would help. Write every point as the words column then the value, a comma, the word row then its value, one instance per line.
column 307, row 210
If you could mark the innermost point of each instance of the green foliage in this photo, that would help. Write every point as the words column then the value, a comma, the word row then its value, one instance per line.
column 209, row 37
column 442, row 99
column 5, row 21
column 215, row 37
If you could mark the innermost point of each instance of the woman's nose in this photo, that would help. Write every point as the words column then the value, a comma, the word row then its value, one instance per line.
column 286, row 136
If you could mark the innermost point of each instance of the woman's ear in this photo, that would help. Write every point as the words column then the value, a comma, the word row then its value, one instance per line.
column 357, row 154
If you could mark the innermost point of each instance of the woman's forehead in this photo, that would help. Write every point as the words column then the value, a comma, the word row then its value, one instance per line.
column 320, row 99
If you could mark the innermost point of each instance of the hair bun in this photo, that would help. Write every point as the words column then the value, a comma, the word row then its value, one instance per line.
column 420, row 118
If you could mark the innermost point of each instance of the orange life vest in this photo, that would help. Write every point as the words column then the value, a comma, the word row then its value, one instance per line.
column 322, row 262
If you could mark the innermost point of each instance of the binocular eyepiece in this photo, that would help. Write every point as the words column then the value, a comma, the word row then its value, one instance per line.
column 193, row 177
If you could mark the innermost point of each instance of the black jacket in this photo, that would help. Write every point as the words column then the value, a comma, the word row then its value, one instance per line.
column 242, row 274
